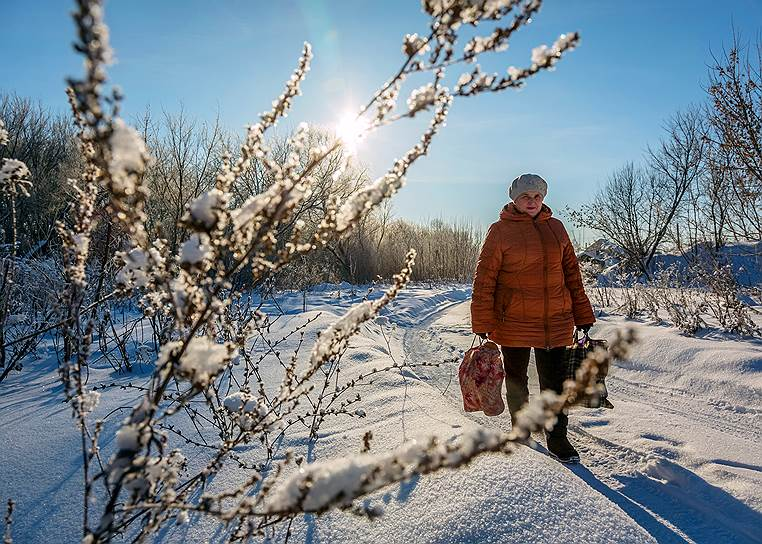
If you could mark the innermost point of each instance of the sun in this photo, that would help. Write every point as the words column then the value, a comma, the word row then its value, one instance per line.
column 351, row 130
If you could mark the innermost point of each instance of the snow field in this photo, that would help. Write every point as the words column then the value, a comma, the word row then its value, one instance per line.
column 672, row 462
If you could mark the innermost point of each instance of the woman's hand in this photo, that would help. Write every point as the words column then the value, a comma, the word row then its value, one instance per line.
column 585, row 328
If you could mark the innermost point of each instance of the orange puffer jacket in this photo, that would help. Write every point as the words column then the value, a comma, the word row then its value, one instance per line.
column 528, row 290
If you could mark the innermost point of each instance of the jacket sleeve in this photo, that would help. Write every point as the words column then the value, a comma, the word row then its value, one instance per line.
column 581, row 307
column 485, row 281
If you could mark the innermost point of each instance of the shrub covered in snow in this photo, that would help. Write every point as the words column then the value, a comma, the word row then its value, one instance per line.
column 699, row 291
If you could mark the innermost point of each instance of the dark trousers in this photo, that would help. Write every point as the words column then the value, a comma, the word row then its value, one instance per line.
column 550, row 369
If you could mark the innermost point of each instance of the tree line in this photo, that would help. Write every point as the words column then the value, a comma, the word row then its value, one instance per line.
column 186, row 153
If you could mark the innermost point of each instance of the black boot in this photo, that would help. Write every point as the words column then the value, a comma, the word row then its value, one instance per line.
column 560, row 448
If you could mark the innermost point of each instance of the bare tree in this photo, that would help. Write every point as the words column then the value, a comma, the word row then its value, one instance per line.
column 45, row 142
column 678, row 159
column 624, row 211
column 735, row 91
column 638, row 205
column 708, row 216
column 187, row 153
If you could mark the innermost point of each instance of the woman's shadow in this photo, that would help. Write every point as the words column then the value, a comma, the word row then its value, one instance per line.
column 674, row 504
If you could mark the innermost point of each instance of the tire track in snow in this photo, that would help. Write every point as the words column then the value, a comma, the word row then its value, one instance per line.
column 672, row 402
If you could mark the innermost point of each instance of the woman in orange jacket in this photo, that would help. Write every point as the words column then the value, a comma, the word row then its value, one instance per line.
column 528, row 293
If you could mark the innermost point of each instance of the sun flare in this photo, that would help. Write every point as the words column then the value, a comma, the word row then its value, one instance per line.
column 351, row 130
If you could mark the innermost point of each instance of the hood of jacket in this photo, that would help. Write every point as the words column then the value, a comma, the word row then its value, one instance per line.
column 511, row 213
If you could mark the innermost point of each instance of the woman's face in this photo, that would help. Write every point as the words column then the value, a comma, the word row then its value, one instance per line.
column 530, row 203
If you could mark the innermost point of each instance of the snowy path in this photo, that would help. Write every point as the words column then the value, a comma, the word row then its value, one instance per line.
column 684, row 466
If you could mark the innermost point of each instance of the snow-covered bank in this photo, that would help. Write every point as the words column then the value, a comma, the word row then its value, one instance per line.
column 744, row 259
column 649, row 471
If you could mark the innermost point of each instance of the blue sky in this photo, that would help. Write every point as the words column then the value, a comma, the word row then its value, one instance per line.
column 638, row 63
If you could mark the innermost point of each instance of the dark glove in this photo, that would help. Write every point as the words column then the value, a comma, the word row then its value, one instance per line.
column 482, row 335
column 585, row 328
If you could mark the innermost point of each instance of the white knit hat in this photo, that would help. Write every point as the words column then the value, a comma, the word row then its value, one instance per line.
column 528, row 182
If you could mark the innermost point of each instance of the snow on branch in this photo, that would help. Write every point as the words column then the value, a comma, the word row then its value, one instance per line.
column 4, row 136
column 387, row 185
column 336, row 483
column 14, row 178
column 115, row 154
column 543, row 58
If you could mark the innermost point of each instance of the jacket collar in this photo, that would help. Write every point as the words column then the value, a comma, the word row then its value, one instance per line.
column 511, row 213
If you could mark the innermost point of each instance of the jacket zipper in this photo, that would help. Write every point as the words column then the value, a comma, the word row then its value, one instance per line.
column 544, row 285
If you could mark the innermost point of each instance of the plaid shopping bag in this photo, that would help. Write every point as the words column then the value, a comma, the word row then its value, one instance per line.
column 575, row 354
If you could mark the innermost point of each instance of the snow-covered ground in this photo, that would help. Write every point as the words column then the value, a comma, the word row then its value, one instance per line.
column 678, row 459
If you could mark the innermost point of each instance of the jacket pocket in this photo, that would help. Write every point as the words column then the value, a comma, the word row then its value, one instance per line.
column 505, row 304
column 568, row 305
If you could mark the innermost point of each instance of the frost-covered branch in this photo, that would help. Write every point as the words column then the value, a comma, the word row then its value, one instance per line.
column 336, row 483
column 14, row 178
